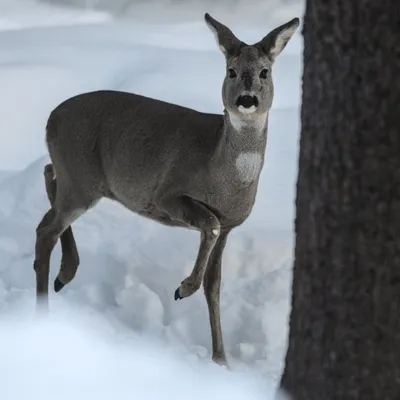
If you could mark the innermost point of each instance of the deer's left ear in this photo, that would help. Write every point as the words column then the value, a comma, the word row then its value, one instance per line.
column 276, row 40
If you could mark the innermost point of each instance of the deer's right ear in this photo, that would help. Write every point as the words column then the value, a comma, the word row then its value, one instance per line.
column 227, row 41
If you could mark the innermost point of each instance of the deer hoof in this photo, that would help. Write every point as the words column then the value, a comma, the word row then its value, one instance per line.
column 177, row 296
column 58, row 285
column 221, row 361
column 187, row 288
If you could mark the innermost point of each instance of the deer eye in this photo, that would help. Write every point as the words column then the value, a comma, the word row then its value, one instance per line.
column 264, row 73
column 232, row 73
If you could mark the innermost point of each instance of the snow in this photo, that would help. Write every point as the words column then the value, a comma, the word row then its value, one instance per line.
column 106, row 368
column 22, row 14
column 130, row 267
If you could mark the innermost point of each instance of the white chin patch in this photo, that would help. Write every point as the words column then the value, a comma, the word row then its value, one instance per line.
column 244, row 110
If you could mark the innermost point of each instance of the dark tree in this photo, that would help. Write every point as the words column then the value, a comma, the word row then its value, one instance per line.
column 344, row 341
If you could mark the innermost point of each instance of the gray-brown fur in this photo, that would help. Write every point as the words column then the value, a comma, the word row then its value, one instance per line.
column 172, row 164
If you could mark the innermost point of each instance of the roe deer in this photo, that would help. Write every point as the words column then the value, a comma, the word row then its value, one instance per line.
column 169, row 163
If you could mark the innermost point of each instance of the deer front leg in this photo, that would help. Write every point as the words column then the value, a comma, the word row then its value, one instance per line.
column 197, row 216
column 212, row 284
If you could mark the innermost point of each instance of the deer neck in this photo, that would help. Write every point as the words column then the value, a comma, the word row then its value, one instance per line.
column 243, row 145
column 245, row 134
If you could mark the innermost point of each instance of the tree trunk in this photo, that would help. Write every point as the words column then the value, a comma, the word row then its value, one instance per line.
column 344, row 341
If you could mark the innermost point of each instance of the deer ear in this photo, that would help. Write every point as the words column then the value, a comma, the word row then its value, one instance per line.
column 227, row 41
column 276, row 40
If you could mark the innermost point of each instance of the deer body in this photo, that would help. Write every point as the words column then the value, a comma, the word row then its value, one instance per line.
column 169, row 163
column 116, row 166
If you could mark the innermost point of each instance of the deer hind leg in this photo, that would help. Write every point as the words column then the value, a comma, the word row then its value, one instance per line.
column 212, row 284
column 70, row 255
column 47, row 233
column 197, row 216
column 65, row 210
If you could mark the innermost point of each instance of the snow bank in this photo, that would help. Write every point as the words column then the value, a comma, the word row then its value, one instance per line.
column 130, row 267
column 22, row 14
column 257, row 11
column 75, row 356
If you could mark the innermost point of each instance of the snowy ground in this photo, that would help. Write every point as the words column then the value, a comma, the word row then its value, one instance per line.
column 130, row 267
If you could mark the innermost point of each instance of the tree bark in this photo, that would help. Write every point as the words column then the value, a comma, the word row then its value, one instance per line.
column 344, row 341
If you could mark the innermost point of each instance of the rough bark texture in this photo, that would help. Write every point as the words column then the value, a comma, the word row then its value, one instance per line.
column 344, row 341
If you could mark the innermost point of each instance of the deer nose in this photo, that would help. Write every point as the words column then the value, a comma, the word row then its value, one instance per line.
column 247, row 101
